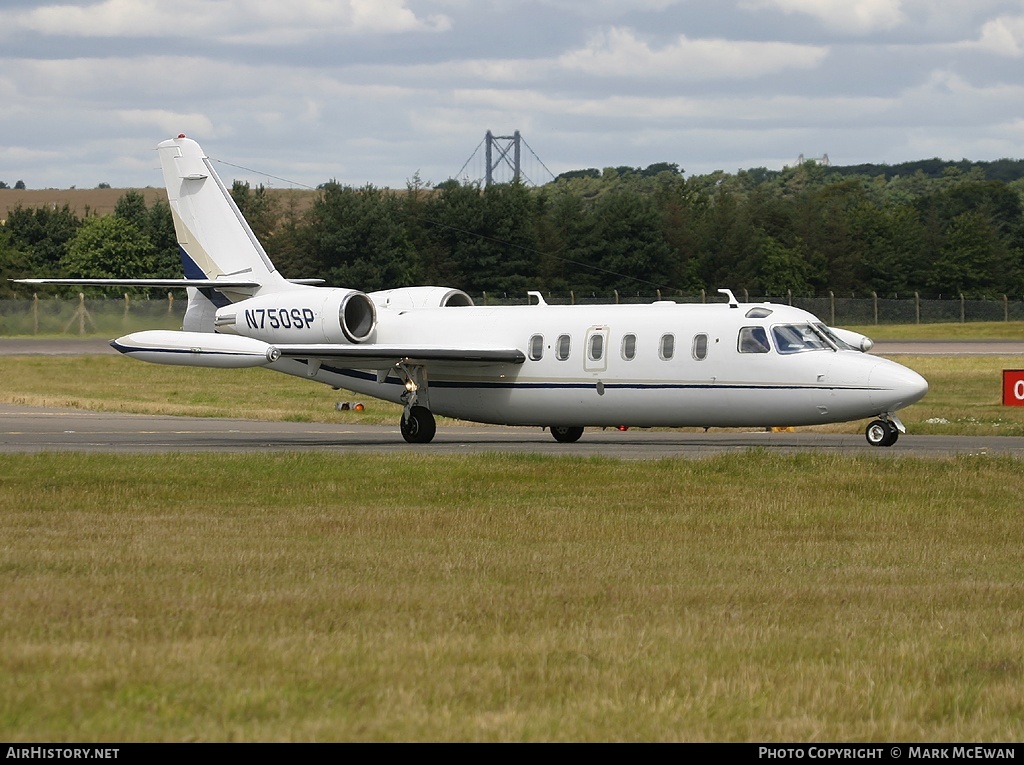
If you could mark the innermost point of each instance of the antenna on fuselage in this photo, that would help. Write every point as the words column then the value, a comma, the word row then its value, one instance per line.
column 733, row 302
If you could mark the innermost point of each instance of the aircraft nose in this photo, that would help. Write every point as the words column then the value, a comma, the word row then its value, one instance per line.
column 894, row 386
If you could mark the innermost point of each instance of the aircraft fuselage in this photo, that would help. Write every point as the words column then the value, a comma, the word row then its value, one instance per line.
column 669, row 364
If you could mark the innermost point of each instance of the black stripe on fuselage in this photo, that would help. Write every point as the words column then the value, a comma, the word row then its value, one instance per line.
column 508, row 385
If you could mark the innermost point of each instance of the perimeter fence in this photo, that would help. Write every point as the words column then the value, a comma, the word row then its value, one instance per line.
column 90, row 316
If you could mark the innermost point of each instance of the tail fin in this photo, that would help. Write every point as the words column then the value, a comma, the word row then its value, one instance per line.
column 216, row 242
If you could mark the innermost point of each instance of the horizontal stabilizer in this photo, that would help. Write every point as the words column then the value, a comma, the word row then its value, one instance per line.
column 198, row 283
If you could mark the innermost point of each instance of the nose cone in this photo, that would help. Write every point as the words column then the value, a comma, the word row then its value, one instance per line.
column 894, row 386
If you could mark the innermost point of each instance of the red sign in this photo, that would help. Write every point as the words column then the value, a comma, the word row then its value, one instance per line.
column 1013, row 387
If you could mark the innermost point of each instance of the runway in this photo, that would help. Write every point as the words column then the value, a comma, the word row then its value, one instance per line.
column 32, row 429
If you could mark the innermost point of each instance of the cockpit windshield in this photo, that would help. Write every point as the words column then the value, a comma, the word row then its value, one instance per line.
column 834, row 338
column 797, row 338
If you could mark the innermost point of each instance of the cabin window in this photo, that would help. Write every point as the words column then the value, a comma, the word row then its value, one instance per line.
column 797, row 338
column 667, row 347
column 753, row 340
column 700, row 347
column 562, row 348
column 536, row 347
column 596, row 349
column 629, row 347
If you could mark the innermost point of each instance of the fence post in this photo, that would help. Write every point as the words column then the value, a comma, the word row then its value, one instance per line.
column 1006, row 309
column 170, row 303
column 126, row 307
column 35, row 313
column 874, row 301
column 485, row 297
column 572, row 297
column 659, row 294
column 832, row 307
column 917, row 308
column 962, row 312
column 703, row 295
column 616, row 297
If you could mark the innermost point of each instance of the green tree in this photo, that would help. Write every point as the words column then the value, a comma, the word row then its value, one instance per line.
column 158, row 225
column 359, row 237
column 108, row 247
column 42, row 233
column 14, row 264
column 782, row 270
column 973, row 260
column 631, row 249
column 258, row 208
column 131, row 206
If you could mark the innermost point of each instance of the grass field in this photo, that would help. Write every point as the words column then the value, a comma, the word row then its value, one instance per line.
column 317, row 597
column 510, row 598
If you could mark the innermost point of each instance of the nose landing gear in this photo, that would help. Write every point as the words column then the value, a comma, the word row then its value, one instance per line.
column 884, row 431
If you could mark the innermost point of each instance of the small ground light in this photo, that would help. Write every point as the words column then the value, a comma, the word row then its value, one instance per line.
column 359, row 407
column 623, row 427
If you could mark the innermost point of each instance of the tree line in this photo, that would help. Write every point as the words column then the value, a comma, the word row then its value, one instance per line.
column 938, row 230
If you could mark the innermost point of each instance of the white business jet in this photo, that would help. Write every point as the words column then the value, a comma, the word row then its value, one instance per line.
column 560, row 367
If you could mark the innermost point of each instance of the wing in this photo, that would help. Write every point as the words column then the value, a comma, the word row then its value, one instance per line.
column 378, row 356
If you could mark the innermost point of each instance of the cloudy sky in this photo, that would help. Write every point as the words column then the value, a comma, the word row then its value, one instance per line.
column 376, row 91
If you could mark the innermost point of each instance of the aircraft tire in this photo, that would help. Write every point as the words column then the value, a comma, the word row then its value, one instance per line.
column 565, row 434
column 881, row 433
column 419, row 427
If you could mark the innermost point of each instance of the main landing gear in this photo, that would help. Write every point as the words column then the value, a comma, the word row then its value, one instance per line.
column 883, row 431
column 417, row 425
column 565, row 434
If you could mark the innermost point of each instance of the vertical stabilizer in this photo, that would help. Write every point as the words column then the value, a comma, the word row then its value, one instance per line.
column 215, row 240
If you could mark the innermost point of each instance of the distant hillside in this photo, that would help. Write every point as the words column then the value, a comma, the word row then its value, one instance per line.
column 1005, row 170
column 103, row 201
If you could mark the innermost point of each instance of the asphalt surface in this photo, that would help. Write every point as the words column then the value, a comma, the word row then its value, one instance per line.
column 34, row 429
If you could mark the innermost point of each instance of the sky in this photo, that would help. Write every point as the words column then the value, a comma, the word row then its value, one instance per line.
column 391, row 92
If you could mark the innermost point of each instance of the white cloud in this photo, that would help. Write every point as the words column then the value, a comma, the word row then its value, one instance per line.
column 852, row 16
column 1003, row 36
column 263, row 21
column 617, row 52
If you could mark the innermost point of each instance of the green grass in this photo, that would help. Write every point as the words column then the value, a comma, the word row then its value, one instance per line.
column 977, row 330
column 749, row 597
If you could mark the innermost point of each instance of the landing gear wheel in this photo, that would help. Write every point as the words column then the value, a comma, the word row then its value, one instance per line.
column 419, row 427
column 565, row 434
column 881, row 433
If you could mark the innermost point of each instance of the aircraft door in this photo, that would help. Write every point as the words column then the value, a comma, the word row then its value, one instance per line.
column 595, row 357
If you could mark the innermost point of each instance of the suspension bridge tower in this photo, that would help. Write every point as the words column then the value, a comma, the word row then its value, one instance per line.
column 511, row 142
column 504, row 161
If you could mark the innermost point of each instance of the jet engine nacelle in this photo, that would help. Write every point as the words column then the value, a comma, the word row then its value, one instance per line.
column 313, row 315
column 411, row 298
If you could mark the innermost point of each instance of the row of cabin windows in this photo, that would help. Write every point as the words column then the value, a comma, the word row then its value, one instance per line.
column 595, row 348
